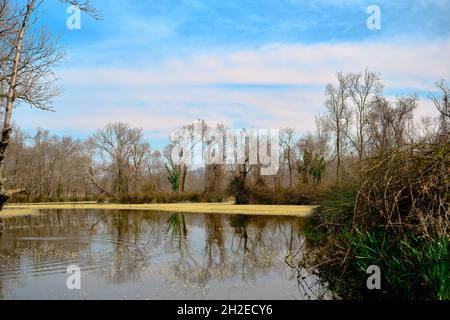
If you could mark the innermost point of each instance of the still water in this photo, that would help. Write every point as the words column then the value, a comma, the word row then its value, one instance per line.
column 148, row 255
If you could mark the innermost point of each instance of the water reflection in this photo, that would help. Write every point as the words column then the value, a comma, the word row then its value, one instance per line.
column 132, row 254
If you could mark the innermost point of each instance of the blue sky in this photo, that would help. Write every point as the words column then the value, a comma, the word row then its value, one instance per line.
column 160, row 64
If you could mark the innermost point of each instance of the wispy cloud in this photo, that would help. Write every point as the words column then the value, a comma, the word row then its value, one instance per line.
column 403, row 64
column 274, row 86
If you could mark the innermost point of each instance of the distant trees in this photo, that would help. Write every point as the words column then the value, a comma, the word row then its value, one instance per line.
column 46, row 166
column 364, row 122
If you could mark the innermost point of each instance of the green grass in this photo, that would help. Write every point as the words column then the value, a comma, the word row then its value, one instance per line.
column 412, row 268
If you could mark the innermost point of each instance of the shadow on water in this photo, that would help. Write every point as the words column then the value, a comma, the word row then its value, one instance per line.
column 132, row 254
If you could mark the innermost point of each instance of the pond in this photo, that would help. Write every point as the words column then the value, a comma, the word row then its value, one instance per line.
column 151, row 255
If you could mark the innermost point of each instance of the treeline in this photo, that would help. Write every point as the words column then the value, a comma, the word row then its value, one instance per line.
column 117, row 164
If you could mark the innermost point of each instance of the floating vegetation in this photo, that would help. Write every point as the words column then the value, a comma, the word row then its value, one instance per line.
column 222, row 208
column 17, row 212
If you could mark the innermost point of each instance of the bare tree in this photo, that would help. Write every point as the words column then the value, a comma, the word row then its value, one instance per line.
column 154, row 171
column 403, row 124
column 391, row 124
column 47, row 166
column 429, row 128
column 94, row 171
column 140, row 152
column 240, row 170
column 26, row 68
column 362, row 88
column 442, row 103
column 338, row 117
column 288, row 144
column 115, row 144
column 214, row 172
column 27, row 61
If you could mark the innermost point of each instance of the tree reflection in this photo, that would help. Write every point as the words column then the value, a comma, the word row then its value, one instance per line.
column 125, row 246
column 308, row 281
column 177, row 225
column 215, row 241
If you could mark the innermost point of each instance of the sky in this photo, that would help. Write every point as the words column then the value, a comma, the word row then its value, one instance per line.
column 161, row 64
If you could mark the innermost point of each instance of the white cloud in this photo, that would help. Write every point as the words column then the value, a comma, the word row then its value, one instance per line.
column 401, row 64
column 162, row 96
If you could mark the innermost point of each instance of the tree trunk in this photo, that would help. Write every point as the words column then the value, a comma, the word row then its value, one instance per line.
column 338, row 154
column 290, row 172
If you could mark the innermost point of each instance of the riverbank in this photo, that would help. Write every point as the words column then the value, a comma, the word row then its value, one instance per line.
column 394, row 215
column 222, row 208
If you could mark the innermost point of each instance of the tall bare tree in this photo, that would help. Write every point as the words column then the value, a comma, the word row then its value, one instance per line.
column 27, row 61
column 116, row 143
column 338, row 117
column 26, row 67
column 363, row 87
column 288, row 144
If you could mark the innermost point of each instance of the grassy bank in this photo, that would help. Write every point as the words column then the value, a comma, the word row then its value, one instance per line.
column 219, row 208
column 394, row 215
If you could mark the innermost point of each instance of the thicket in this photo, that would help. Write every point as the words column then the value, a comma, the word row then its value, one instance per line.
column 395, row 215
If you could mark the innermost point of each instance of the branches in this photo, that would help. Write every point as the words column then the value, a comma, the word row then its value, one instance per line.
column 441, row 101
column 91, row 177
column 85, row 6
column 117, row 143
column 442, row 104
column 407, row 187
column 338, row 116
